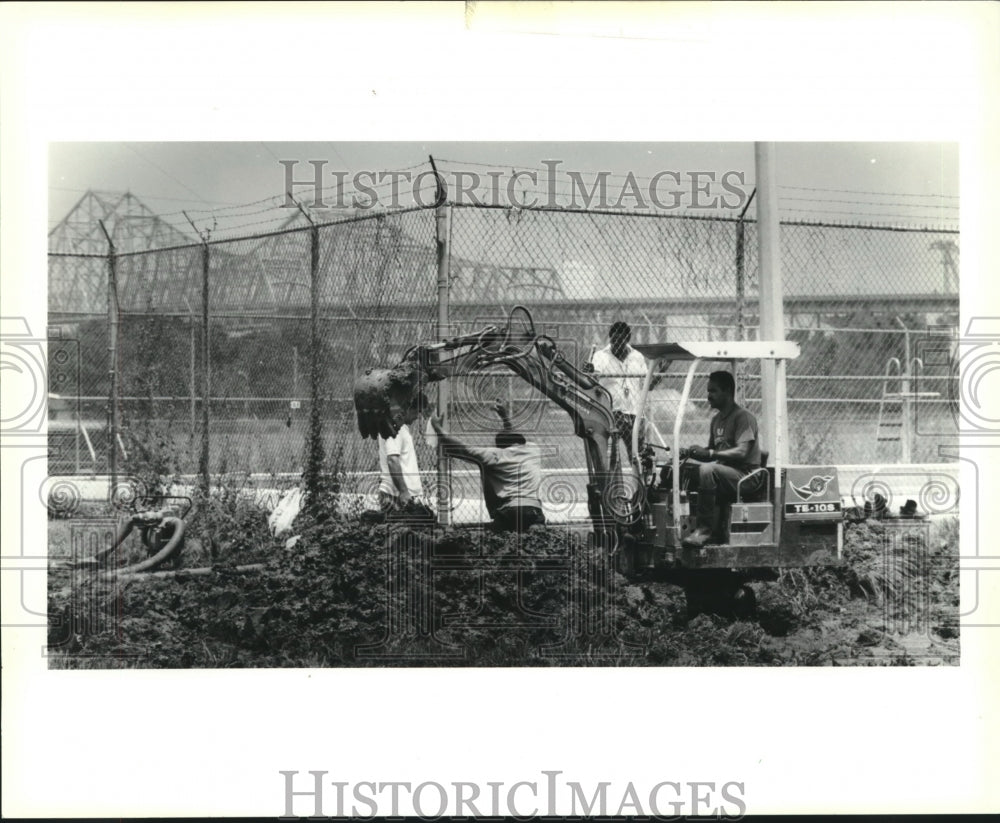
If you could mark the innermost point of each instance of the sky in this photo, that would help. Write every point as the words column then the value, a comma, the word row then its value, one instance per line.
column 240, row 185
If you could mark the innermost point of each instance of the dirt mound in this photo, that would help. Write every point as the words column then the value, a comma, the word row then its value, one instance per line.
column 350, row 594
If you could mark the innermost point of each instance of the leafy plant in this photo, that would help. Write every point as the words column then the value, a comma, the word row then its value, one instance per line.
column 231, row 521
column 350, row 594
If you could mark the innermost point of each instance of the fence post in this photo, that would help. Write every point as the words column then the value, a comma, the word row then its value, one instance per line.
column 206, row 375
column 312, row 476
column 442, row 232
column 113, row 371
column 741, row 269
column 206, row 365
column 316, row 417
column 192, row 372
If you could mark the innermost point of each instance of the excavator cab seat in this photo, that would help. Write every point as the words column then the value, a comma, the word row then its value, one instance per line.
column 756, row 485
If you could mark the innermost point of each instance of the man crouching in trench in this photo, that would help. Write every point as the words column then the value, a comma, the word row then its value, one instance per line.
column 512, row 473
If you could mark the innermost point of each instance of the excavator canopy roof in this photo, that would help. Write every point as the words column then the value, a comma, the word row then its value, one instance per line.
column 720, row 350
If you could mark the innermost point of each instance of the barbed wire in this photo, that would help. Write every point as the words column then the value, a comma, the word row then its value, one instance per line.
column 144, row 197
column 855, row 214
column 878, row 193
column 304, row 190
column 232, row 216
column 623, row 198
column 284, row 213
column 747, row 183
column 306, row 196
column 870, row 203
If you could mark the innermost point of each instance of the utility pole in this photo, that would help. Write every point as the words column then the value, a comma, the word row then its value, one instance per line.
column 772, row 318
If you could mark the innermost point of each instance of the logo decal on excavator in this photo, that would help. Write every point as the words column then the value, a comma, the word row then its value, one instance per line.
column 816, row 486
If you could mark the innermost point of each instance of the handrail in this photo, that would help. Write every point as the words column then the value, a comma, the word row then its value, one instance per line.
column 755, row 472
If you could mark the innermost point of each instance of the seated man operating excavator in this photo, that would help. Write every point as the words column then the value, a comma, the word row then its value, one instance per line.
column 733, row 452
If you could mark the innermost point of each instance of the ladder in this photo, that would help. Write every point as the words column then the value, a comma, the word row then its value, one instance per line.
column 895, row 421
column 889, row 431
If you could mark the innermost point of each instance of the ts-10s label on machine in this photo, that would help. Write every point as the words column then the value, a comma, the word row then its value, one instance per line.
column 811, row 508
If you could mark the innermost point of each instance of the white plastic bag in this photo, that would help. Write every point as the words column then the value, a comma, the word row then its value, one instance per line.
column 430, row 435
column 285, row 512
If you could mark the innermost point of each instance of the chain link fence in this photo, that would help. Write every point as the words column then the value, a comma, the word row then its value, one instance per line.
column 236, row 334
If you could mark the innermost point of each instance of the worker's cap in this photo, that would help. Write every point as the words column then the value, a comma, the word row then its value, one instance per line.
column 505, row 439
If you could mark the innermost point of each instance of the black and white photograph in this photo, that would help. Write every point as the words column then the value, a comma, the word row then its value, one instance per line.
column 503, row 404
column 498, row 409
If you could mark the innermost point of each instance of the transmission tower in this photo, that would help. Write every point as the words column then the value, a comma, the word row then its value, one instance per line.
column 949, row 260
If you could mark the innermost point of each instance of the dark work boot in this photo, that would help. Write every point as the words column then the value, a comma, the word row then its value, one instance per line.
column 706, row 520
column 720, row 526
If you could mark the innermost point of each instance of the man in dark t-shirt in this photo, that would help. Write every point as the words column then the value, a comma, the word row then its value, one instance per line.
column 733, row 452
column 511, row 472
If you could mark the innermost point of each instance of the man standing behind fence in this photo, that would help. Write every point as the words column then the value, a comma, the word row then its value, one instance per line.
column 397, row 462
column 622, row 369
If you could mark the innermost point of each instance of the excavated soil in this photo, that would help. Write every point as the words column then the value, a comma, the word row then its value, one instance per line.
column 351, row 594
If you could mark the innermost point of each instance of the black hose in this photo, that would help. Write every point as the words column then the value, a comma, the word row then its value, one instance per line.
column 123, row 531
column 166, row 553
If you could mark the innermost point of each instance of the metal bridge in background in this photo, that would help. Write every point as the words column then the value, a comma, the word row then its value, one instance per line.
column 244, row 304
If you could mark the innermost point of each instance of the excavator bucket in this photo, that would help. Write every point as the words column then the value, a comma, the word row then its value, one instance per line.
column 371, row 402
column 384, row 399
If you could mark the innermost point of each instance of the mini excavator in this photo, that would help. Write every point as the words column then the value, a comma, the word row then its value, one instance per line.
column 640, row 506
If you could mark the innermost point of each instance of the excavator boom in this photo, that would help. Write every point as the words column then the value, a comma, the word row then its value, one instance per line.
column 383, row 397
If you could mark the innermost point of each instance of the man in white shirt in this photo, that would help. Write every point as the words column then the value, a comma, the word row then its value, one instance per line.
column 397, row 462
column 622, row 370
